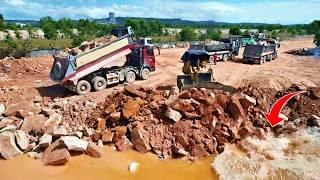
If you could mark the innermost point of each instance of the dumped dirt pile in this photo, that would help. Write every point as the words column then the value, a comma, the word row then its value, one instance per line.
column 13, row 67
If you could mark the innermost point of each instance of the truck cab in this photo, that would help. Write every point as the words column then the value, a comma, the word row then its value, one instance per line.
column 247, row 39
column 146, row 41
column 122, row 31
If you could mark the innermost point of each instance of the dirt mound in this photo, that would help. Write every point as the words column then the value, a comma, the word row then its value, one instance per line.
column 13, row 67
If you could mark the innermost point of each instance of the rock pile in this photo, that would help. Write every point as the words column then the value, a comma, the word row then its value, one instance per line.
column 300, row 52
column 190, row 124
column 87, row 46
column 194, row 123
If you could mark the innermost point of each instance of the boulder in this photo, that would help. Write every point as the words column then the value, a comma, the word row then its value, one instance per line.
column 313, row 121
column 60, row 131
column 199, row 151
column 52, row 123
column 222, row 100
column 182, row 106
column 173, row 115
column 45, row 140
column 94, row 150
column 179, row 150
column 247, row 101
column 2, row 108
column 133, row 91
column 115, row 116
column 185, row 95
column 130, row 109
column 174, row 90
column 111, row 108
column 107, row 136
column 36, row 123
column 8, row 147
column 123, row 144
column 140, row 140
column 245, row 131
column 101, row 123
column 235, row 107
column 22, row 139
column 73, row 143
column 56, row 154
column 21, row 110
column 6, row 122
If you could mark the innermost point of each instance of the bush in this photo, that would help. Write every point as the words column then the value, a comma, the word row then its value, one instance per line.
column 77, row 40
column 235, row 31
column 317, row 39
column 187, row 34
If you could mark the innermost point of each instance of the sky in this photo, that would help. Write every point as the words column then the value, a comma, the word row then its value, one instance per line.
column 234, row 11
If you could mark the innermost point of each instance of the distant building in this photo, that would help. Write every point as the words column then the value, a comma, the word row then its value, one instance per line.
column 112, row 17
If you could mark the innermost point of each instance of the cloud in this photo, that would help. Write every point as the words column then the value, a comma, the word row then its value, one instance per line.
column 272, row 11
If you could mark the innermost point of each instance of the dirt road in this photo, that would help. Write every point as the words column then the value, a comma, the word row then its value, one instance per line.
column 29, row 78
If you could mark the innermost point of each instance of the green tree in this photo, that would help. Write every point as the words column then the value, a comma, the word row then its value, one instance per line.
column 49, row 27
column 1, row 22
column 314, row 27
column 77, row 40
column 317, row 38
column 214, row 34
column 235, row 30
column 187, row 34
column 65, row 25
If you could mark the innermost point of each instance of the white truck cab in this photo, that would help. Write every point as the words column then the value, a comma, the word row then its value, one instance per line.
column 146, row 41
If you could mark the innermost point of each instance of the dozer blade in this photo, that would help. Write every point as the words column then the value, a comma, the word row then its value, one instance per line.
column 184, row 82
column 209, row 85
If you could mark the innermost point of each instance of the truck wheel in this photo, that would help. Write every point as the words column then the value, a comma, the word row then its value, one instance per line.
column 225, row 57
column 264, row 59
column 99, row 83
column 130, row 77
column 145, row 74
column 83, row 87
column 261, row 61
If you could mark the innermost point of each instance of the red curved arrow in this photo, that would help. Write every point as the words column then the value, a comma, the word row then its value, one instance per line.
column 273, row 116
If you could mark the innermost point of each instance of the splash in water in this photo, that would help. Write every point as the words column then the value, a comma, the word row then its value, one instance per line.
column 289, row 157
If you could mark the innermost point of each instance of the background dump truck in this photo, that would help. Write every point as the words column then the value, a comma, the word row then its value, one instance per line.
column 225, row 50
column 260, row 53
column 89, row 70
column 247, row 39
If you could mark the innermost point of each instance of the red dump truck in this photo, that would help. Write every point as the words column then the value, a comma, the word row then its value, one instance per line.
column 91, row 70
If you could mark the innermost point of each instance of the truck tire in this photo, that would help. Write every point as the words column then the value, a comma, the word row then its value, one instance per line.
column 261, row 61
column 264, row 59
column 83, row 87
column 99, row 83
column 225, row 57
column 145, row 74
column 130, row 77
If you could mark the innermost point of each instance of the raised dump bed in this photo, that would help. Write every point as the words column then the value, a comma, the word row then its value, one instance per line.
column 259, row 53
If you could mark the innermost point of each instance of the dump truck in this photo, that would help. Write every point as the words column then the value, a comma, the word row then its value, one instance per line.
column 93, row 70
column 225, row 50
column 260, row 53
column 197, row 73
column 247, row 39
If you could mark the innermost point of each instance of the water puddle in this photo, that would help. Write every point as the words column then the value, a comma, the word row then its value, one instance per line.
column 114, row 165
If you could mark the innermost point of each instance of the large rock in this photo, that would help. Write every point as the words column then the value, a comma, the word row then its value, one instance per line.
column 45, row 140
column 107, row 136
column 133, row 91
column 52, row 123
column 8, row 147
column 73, row 143
column 247, row 101
column 2, row 108
column 185, row 95
column 115, row 116
column 21, row 110
column 56, row 154
column 36, row 123
column 140, row 140
column 94, row 150
column 313, row 121
column 222, row 100
column 6, row 122
column 60, row 131
column 22, row 139
column 182, row 106
column 130, row 109
column 235, row 107
column 123, row 144
column 173, row 115
column 199, row 151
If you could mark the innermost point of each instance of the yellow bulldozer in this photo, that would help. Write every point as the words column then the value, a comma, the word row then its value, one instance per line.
column 198, row 72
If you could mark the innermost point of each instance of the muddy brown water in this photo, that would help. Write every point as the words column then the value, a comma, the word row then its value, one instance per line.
column 114, row 165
